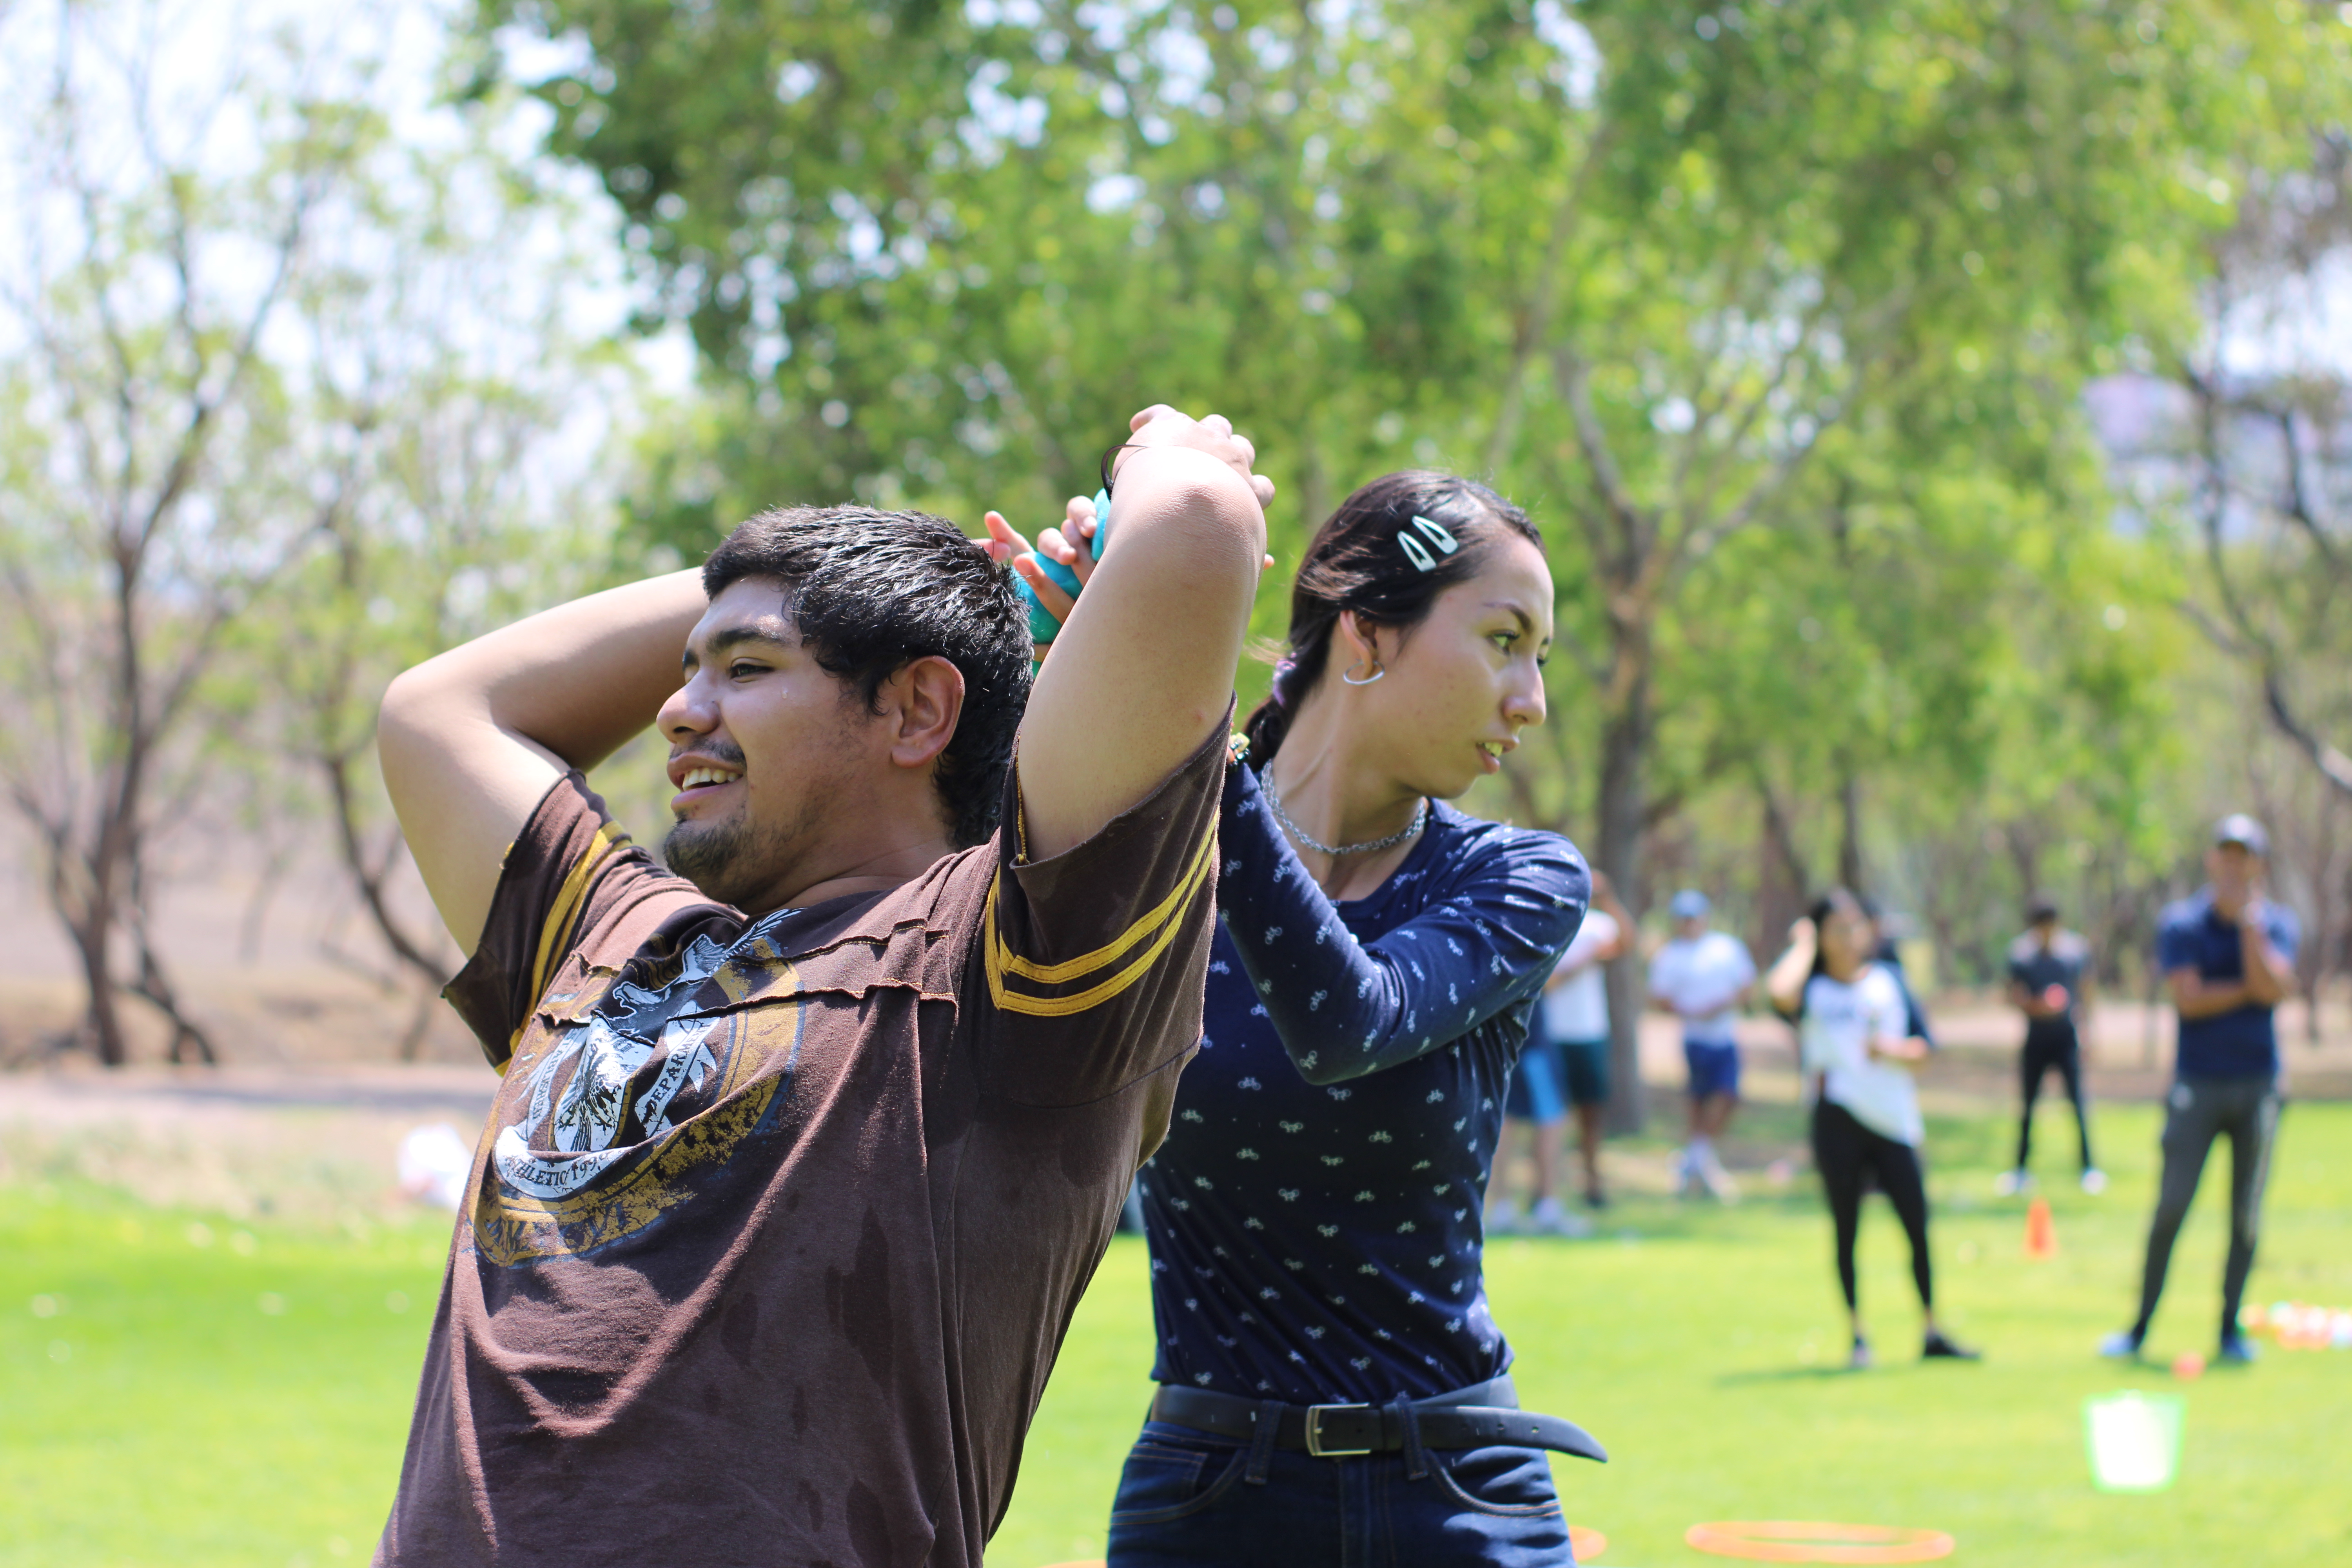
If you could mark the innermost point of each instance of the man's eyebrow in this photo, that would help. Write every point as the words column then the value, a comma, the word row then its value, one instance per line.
column 732, row 637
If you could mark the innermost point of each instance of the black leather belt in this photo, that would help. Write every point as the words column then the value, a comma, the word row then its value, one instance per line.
column 1470, row 1418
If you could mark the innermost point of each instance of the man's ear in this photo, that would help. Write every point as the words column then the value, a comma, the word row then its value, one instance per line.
column 920, row 703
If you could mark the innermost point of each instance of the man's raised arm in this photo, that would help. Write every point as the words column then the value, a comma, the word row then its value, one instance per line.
column 471, row 740
column 1144, row 668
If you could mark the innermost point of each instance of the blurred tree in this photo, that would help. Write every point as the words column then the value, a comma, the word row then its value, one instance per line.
column 1679, row 273
column 146, row 497
column 2269, row 449
column 451, row 411
column 1833, row 255
column 290, row 401
column 2247, row 445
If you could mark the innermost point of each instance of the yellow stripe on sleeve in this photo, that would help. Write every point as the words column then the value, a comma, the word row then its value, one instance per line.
column 1163, row 918
column 565, row 910
column 1055, row 973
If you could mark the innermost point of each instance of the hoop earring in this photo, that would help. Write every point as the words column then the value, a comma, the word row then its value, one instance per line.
column 1348, row 676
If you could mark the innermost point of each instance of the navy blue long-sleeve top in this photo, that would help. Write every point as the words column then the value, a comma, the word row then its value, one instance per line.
column 1315, row 1213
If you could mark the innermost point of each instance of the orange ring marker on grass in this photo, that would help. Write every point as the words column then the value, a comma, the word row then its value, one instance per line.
column 1799, row 1541
column 1586, row 1543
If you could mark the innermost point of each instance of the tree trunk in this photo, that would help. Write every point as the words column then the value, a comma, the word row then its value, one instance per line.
column 1625, row 735
column 369, row 874
column 102, row 1019
column 1783, row 883
column 1849, row 827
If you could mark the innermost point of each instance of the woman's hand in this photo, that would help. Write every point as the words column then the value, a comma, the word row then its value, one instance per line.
column 1006, row 543
column 1784, row 983
column 1894, row 1048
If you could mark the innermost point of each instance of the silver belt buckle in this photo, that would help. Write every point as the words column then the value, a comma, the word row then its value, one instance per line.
column 1315, row 1432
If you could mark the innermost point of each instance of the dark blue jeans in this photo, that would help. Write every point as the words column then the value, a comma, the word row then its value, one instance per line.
column 1188, row 1498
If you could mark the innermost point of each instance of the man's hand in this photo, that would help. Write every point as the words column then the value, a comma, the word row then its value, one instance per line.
column 1144, row 665
column 1162, row 427
column 2270, row 979
column 1074, row 543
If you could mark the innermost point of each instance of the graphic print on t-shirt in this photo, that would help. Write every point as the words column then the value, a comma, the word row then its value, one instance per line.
column 623, row 1094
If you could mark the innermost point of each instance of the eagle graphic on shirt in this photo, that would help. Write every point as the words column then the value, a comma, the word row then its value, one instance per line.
column 621, row 1101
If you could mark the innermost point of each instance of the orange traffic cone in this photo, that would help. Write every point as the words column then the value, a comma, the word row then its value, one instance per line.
column 2040, row 1235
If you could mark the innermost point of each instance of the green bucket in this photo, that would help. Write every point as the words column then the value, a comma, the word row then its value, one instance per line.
column 2135, row 1440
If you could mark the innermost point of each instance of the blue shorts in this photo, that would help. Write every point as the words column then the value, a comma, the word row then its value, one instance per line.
column 1714, row 1068
column 1584, row 1067
column 1534, row 1094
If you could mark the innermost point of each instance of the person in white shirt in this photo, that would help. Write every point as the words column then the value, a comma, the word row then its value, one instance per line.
column 1704, row 977
column 1564, row 1067
column 1857, row 1054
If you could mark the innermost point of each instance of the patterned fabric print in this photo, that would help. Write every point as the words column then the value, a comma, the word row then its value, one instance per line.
column 1314, row 1217
column 656, row 1079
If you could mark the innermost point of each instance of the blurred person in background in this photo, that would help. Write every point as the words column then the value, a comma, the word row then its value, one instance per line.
column 1703, row 977
column 1857, row 1054
column 2049, row 982
column 1564, row 1069
column 1332, row 1385
column 2228, row 957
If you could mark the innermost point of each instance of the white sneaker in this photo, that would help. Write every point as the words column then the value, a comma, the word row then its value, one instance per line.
column 2094, row 1181
column 2009, row 1184
column 1504, row 1219
column 1548, row 1218
column 1718, row 1180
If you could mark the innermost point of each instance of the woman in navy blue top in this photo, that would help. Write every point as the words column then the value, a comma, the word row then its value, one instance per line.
column 1333, row 1384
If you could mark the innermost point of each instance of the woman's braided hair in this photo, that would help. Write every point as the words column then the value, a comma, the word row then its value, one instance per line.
column 1357, row 561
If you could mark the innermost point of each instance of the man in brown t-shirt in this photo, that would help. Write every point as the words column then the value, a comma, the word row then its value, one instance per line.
column 807, row 1147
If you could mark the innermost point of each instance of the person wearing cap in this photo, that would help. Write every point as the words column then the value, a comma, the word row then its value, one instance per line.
column 2049, row 970
column 2228, row 955
column 1704, row 977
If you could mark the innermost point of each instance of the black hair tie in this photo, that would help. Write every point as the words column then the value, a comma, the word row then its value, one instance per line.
column 1115, row 448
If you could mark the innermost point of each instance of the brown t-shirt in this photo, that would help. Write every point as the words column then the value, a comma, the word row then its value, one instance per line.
column 777, row 1224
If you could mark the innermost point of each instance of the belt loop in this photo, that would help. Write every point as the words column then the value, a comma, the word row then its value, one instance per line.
column 1416, row 1459
column 1267, row 1421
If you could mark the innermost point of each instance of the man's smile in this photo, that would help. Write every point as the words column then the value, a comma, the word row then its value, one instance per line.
column 699, row 779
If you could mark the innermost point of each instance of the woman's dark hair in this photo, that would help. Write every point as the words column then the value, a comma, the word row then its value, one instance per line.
column 1827, row 904
column 871, row 591
column 1373, row 557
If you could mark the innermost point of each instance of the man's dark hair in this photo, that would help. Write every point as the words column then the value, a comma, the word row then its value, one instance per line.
column 871, row 591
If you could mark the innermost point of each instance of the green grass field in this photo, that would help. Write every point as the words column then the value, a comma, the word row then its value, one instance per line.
column 179, row 1389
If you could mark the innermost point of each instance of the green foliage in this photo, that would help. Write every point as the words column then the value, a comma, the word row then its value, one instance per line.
column 1777, row 316
column 140, row 1443
column 1704, row 1349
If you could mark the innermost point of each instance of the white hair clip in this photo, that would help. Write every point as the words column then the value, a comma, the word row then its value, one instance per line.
column 1418, row 553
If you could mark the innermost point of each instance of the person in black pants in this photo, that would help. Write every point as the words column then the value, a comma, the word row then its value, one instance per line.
column 2228, row 954
column 2049, row 983
column 1857, row 1048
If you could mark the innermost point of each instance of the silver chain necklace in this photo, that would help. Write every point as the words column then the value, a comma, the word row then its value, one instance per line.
column 1273, row 799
